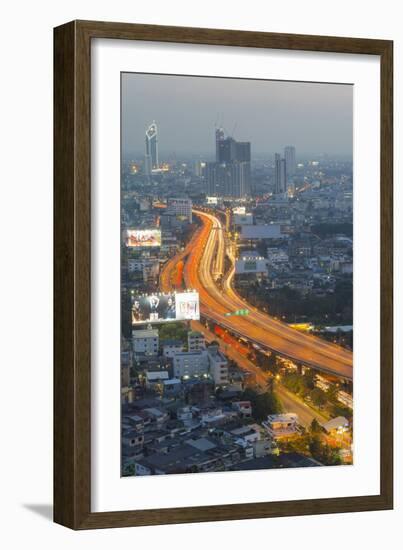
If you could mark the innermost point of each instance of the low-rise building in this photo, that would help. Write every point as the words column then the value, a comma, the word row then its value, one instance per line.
column 337, row 425
column 212, row 417
column 281, row 426
column 196, row 340
column 277, row 258
column 190, row 364
column 158, row 416
column 132, row 438
column 172, row 387
column 180, row 207
column 184, row 413
column 257, row 232
column 243, row 408
column 125, row 364
column 218, row 365
column 170, row 347
column 246, row 435
column 201, row 363
column 194, row 456
column 149, row 268
column 155, row 379
column 284, row 460
column 145, row 343
column 251, row 265
column 242, row 219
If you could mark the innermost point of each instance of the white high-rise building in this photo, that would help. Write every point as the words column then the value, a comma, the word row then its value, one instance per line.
column 151, row 154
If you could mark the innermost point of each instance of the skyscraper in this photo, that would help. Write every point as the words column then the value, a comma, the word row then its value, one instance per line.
column 230, row 150
column 213, row 187
column 237, row 182
column 230, row 175
column 151, row 154
column 226, row 149
column 290, row 160
column 280, row 174
column 228, row 179
column 219, row 136
column 242, row 151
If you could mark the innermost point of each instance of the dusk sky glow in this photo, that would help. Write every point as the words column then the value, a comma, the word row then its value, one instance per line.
column 315, row 117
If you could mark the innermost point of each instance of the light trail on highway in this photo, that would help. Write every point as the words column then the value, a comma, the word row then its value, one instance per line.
column 290, row 401
column 257, row 327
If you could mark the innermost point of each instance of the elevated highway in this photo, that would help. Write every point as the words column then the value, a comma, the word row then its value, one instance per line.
column 200, row 274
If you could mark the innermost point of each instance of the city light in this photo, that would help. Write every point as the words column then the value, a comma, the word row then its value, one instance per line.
column 236, row 300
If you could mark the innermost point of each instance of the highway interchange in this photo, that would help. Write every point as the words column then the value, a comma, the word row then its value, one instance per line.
column 203, row 259
column 201, row 273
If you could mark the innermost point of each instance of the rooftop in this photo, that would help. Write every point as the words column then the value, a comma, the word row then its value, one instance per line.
column 146, row 333
column 202, row 444
column 157, row 375
column 286, row 417
column 285, row 460
column 335, row 423
column 171, row 342
column 172, row 381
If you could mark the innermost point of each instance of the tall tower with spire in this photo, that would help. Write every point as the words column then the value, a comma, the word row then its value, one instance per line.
column 151, row 153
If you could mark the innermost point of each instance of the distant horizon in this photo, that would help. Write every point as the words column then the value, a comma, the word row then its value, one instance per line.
column 269, row 114
column 258, row 155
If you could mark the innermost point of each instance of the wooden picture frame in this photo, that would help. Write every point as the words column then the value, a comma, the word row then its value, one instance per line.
column 72, row 271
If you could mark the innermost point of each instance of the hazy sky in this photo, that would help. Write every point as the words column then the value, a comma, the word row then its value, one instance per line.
column 316, row 118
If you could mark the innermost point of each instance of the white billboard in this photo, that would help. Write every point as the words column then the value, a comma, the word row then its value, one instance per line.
column 162, row 308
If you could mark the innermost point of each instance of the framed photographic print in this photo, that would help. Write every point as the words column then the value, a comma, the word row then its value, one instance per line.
column 223, row 275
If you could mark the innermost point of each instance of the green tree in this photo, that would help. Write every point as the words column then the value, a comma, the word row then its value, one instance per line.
column 263, row 404
column 318, row 397
column 315, row 447
column 323, row 453
column 309, row 379
column 272, row 363
column 298, row 445
column 267, row 403
column 270, row 384
column 173, row 331
column 315, row 428
column 331, row 393
column 294, row 382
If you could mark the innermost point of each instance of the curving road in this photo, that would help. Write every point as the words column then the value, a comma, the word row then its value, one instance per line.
column 199, row 256
column 290, row 401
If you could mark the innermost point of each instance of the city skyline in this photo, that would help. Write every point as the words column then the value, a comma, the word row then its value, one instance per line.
column 269, row 114
column 236, row 276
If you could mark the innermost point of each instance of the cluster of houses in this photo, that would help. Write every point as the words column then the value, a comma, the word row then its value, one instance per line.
column 175, row 421
column 163, row 436
column 183, row 412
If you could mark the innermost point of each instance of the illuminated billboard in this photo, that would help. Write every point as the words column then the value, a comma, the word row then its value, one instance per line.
column 162, row 308
column 143, row 238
